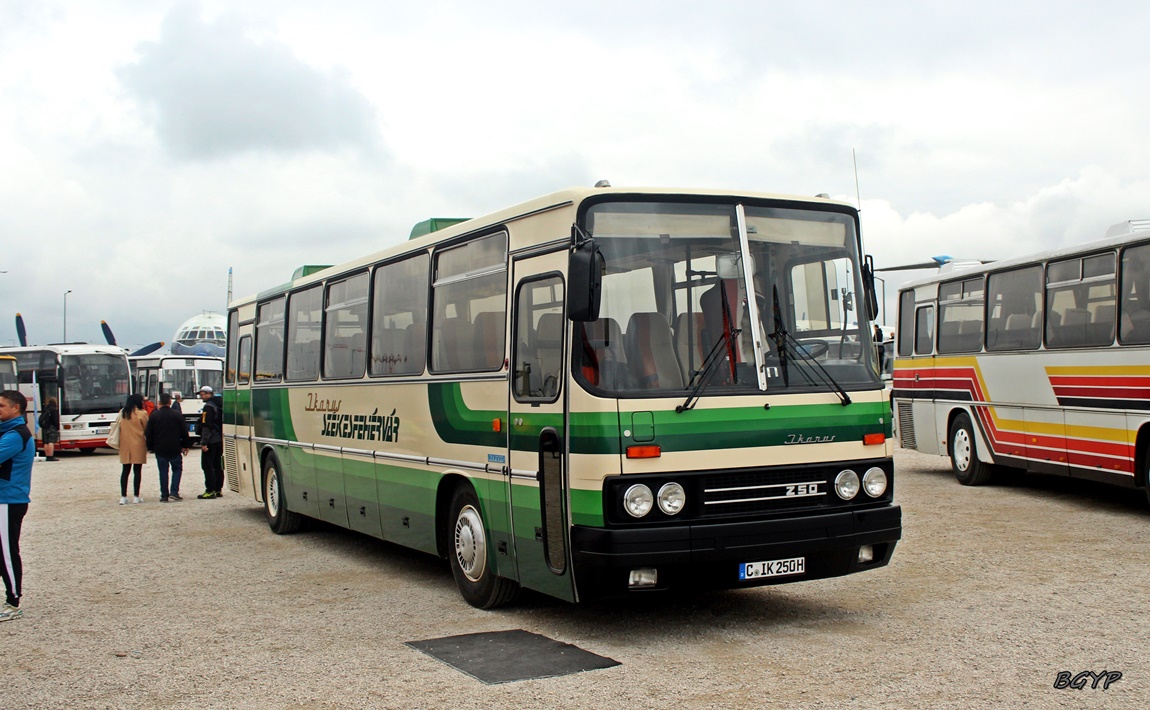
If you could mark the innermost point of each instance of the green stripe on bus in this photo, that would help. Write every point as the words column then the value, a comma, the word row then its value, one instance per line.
column 271, row 410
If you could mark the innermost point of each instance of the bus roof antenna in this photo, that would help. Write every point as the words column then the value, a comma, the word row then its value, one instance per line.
column 603, row 183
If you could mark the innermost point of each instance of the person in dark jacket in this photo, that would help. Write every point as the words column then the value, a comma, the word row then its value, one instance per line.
column 167, row 437
column 211, row 444
column 17, row 450
column 50, row 428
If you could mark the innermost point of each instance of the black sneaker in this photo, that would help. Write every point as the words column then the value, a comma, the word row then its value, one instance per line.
column 51, row 458
column 207, row 495
column 163, row 499
column 219, row 494
column 176, row 496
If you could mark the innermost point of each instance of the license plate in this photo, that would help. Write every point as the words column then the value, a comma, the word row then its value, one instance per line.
column 772, row 568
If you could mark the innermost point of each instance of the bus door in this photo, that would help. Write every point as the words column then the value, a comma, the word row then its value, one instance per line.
column 537, row 475
column 241, row 462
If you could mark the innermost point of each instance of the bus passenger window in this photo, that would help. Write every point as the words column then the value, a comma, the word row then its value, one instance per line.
column 399, row 317
column 924, row 331
column 1135, row 296
column 470, row 306
column 305, row 314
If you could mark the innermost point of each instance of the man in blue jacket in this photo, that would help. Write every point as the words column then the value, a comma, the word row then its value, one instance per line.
column 17, row 449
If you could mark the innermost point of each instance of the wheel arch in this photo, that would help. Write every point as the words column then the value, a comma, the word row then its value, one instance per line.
column 1142, row 457
column 268, row 452
column 982, row 448
column 443, row 494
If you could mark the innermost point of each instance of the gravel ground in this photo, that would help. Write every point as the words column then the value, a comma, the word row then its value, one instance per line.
column 992, row 593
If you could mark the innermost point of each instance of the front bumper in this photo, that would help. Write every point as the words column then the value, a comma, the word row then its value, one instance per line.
column 709, row 555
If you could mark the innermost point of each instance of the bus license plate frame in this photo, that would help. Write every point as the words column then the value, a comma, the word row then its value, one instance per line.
column 790, row 566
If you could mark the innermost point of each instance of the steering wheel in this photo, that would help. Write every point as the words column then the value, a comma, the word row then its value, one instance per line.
column 815, row 348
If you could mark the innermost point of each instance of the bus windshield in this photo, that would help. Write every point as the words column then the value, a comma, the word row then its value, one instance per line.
column 675, row 296
column 94, row 382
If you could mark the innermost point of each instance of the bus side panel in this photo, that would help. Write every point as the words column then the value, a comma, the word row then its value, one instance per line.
column 328, row 468
column 361, row 494
column 407, row 505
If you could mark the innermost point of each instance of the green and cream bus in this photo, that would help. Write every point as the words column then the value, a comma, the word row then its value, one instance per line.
column 596, row 393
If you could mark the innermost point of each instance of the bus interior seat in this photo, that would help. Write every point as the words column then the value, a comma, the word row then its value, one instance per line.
column 1018, row 321
column 337, row 360
column 604, row 358
column 548, row 350
column 651, row 352
column 414, row 351
column 456, row 345
column 357, row 352
column 688, row 343
column 488, row 340
column 1102, row 324
column 1104, row 313
column 387, row 350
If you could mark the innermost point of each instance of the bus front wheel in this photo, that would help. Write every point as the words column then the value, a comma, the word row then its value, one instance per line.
column 281, row 520
column 963, row 455
column 468, row 554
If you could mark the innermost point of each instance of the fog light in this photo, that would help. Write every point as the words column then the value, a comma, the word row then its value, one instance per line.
column 874, row 482
column 672, row 498
column 638, row 500
column 866, row 554
column 643, row 577
column 847, row 484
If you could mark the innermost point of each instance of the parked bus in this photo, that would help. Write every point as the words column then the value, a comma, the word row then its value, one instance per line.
column 595, row 393
column 1039, row 363
column 90, row 383
column 8, row 378
column 154, row 375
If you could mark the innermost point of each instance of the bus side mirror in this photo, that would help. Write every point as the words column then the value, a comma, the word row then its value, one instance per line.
column 584, row 281
column 868, row 285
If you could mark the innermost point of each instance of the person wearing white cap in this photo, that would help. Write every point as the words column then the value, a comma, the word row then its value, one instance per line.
column 211, row 445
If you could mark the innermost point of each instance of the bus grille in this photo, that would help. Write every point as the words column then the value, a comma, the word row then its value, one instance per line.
column 748, row 492
column 906, row 426
column 231, row 464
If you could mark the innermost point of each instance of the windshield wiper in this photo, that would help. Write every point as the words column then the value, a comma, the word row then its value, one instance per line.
column 703, row 376
column 785, row 342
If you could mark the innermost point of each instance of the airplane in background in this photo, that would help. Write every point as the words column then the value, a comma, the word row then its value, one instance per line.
column 205, row 334
column 22, row 337
column 943, row 263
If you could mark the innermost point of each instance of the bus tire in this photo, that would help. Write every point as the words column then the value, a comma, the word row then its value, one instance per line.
column 281, row 520
column 968, row 469
column 467, row 552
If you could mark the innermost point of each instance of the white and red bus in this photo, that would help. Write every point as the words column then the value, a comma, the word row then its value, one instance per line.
column 8, row 378
column 1039, row 363
column 153, row 375
column 90, row 383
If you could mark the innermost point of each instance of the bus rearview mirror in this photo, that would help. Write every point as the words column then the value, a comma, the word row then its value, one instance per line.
column 584, row 281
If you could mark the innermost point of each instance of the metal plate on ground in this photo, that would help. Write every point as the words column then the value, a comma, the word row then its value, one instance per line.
column 508, row 656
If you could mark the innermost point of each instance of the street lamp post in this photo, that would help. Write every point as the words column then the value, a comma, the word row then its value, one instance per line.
column 66, row 314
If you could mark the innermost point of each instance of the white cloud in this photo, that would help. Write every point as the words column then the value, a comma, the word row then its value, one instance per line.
column 149, row 146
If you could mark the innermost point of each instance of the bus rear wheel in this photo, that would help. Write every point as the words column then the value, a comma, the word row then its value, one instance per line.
column 468, row 555
column 968, row 469
column 281, row 520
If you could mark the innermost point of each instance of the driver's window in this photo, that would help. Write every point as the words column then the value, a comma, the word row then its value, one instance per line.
column 539, row 341
column 823, row 299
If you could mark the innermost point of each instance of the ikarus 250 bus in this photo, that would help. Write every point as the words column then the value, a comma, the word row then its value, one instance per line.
column 599, row 392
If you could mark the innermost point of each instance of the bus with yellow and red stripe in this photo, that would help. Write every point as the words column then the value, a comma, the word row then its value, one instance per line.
column 1040, row 363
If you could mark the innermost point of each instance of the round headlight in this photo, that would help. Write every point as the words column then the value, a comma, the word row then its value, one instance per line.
column 847, row 484
column 874, row 482
column 672, row 498
column 638, row 501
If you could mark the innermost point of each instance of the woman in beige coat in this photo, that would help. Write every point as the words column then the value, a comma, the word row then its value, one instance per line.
column 133, row 448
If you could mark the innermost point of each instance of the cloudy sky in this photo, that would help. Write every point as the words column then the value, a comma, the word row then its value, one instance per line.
column 147, row 146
